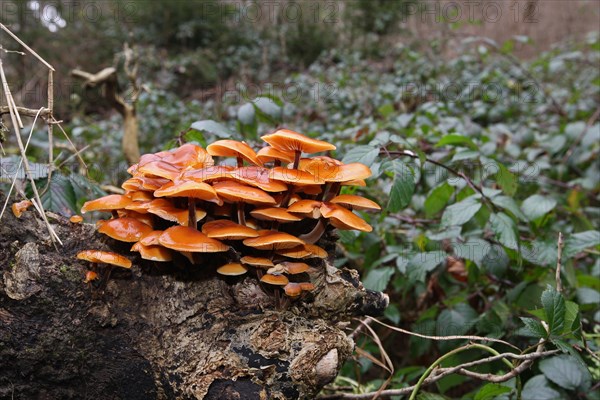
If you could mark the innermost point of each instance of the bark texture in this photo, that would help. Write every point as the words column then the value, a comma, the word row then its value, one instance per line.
column 160, row 331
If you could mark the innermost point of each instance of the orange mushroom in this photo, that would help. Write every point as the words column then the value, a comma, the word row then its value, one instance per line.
column 279, row 280
column 274, row 214
column 125, row 229
column 259, row 262
column 153, row 253
column 233, row 148
column 355, row 202
column 76, row 219
column 184, row 238
column 287, row 140
column 112, row 202
column 19, row 208
column 273, row 241
column 225, row 229
column 232, row 269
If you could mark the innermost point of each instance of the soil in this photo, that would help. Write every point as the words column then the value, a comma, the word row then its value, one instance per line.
column 160, row 331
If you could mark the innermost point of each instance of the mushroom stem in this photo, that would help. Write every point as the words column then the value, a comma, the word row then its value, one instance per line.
column 240, row 211
column 316, row 233
column 192, row 222
column 333, row 191
column 297, row 155
column 114, row 213
column 240, row 161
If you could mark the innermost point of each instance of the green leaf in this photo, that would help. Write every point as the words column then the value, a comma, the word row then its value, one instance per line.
column 535, row 327
column 568, row 349
column 581, row 241
column 588, row 295
column 456, row 140
column 421, row 263
column 538, row 388
column 565, row 371
column 212, row 127
column 246, row 113
column 490, row 391
column 268, row 109
column 403, row 187
column 386, row 110
column 60, row 196
column 437, row 199
column 456, row 321
column 554, row 306
column 537, row 205
column 507, row 180
column 362, row 154
column 461, row 212
column 377, row 279
column 571, row 314
column 392, row 313
column 505, row 230
column 509, row 204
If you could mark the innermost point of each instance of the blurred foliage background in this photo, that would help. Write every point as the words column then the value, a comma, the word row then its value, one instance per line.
column 481, row 130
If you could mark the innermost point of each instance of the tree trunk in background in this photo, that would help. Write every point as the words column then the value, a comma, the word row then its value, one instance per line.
column 129, row 144
column 160, row 331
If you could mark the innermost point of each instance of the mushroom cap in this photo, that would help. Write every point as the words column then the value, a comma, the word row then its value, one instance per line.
column 160, row 169
column 104, row 257
column 279, row 280
column 125, row 229
column 153, row 253
column 227, row 230
column 287, row 140
column 142, row 207
column 152, row 183
column 268, row 153
column 307, row 208
column 234, row 192
column 173, row 214
column 207, row 174
column 355, row 182
column 132, row 184
column 140, row 195
column 309, row 189
column 355, row 202
column 76, row 219
column 106, row 203
column 293, row 268
column 332, row 170
column 294, row 176
column 344, row 219
column 20, row 207
column 184, row 238
column 233, row 148
column 260, row 262
column 259, row 177
column 274, row 214
column 298, row 251
column 272, row 240
column 151, row 238
column 307, row 286
column 193, row 189
column 232, row 269
column 90, row 276
column 147, row 219
column 188, row 155
column 292, row 289
column 316, row 251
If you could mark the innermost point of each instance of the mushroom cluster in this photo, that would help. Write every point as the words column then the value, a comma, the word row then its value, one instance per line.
column 264, row 213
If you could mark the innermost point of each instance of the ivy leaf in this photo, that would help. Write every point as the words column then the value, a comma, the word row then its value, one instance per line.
column 461, row 212
column 535, row 327
column 438, row 198
column 377, row 279
column 491, row 391
column 455, row 140
column 537, row 205
column 362, row 154
column 212, row 127
column 509, row 204
column 505, row 230
column 403, row 187
column 554, row 306
column 538, row 388
column 565, row 371
column 507, row 180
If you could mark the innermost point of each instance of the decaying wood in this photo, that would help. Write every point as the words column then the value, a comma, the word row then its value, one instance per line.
column 161, row 331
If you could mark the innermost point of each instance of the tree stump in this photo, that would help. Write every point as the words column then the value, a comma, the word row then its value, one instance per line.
column 161, row 331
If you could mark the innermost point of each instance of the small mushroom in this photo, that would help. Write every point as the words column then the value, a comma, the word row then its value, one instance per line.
column 160, row 169
column 76, row 219
column 273, row 241
column 278, row 280
column 306, row 208
column 268, row 154
column 103, row 257
column 184, row 238
column 355, row 202
column 90, row 276
column 124, row 229
column 153, row 253
column 225, row 229
column 292, row 289
column 274, row 214
column 344, row 219
column 232, row 269
column 259, row 177
column 112, row 202
column 20, row 207
column 259, row 262
column 287, row 140
column 233, row 148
